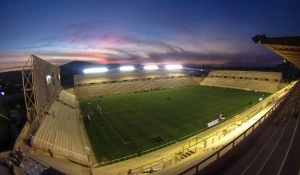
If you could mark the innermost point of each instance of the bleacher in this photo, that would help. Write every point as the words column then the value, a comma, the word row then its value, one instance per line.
column 249, row 80
column 61, row 129
column 67, row 98
column 112, row 77
column 128, row 83
column 199, row 79
column 275, row 150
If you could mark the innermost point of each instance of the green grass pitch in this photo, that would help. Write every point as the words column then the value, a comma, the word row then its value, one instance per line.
column 129, row 122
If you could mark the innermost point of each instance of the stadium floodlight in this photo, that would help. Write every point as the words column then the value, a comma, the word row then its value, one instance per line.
column 95, row 70
column 173, row 67
column 152, row 67
column 126, row 68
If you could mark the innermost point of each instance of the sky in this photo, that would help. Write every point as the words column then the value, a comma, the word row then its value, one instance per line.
column 202, row 32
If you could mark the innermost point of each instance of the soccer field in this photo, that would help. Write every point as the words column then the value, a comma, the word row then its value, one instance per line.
column 126, row 124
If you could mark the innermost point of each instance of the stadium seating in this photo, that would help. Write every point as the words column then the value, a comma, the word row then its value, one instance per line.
column 67, row 98
column 198, row 79
column 250, row 80
column 61, row 127
column 93, row 79
column 273, row 151
column 128, row 83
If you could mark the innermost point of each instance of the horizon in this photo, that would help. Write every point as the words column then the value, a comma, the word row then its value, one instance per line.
column 148, row 32
column 185, row 66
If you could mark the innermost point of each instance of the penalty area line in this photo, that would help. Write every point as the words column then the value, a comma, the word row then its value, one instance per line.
column 104, row 134
column 108, row 139
column 113, row 129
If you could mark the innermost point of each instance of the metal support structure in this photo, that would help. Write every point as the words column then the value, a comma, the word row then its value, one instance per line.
column 28, row 89
column 38, row 92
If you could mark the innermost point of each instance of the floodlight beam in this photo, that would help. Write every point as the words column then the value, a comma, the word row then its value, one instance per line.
column 126, row 68
column 95, row 70
column 173, row 67
column 151, row 67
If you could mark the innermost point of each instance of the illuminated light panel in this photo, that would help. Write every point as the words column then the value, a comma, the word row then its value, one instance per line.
column 95, row 70
column 126, row 68
column 153, row 67
column 173, row 67
column 48, row 79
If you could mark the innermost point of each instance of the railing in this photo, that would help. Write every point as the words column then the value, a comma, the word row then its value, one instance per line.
column 197, row 142
column 118, row 160
column 216, row 155
column 194, row 143
column 58, row 150
column 158, row 147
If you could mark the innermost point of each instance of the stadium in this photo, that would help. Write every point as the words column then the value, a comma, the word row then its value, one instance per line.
column 162, row 119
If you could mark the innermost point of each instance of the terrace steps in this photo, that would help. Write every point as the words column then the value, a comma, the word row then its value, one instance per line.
column 132, row 86
column 252, row 80
column 62, row 127
column 185, row 154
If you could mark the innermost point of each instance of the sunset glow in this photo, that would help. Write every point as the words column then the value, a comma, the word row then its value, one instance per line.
column 160, row 32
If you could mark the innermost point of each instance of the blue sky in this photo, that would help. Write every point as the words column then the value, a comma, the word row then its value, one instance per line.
column 144, row 31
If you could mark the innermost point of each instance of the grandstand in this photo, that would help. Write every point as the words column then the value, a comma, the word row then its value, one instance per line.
column 199, row 79
column 265, row 152
column 67, row 99
column 55, row 120
column 53, row 113
column 249, row 80
column 120, row 83
column 61, row 129
column 274, row 146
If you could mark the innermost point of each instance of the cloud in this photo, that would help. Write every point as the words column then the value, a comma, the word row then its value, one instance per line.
column 80, row 43
column 164, row 54
column 186, row 57
column 117, row 39
column 12, row 65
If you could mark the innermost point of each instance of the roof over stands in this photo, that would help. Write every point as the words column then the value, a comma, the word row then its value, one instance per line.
column 287, row 47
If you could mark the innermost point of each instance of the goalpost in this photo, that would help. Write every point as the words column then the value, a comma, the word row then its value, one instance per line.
column 99, row 109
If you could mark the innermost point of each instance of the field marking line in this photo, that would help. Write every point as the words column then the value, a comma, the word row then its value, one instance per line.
column 134, row 121
column 182, row 126
column 104, row 134
column 113, row 129
column 108, row 139
column 174, row 128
